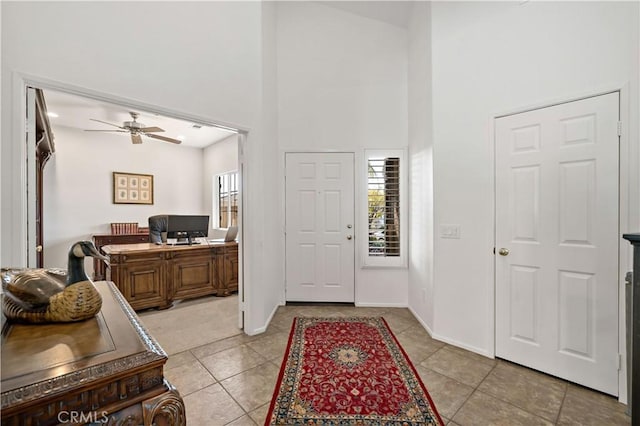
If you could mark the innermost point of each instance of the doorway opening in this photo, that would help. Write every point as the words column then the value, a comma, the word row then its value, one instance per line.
column 181, row 168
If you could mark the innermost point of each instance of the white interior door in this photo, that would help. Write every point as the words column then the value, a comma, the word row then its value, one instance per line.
column 557, row 215
column 319, row 216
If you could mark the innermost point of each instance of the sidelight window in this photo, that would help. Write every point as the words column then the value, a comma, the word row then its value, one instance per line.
column 385, row 206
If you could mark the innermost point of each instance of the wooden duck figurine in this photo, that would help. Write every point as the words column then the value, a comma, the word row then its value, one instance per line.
column 51, row 295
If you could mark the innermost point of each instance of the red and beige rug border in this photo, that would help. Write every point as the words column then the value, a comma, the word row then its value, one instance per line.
column 283, row 366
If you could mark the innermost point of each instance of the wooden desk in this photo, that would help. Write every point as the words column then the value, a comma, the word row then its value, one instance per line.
column 150, row 275
column 106, row 367
column 99, row 269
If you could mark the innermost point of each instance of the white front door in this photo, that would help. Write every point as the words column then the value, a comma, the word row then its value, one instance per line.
column 557, row 240
column 319, row 216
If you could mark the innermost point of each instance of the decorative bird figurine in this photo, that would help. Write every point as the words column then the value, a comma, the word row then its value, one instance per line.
column 52, row 295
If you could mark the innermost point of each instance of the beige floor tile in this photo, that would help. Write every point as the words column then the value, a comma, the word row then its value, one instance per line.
column 253, row 388
column 242, row 421
column 465, row 369
column 189, row 377
column 476, row 357
column 532, row 391
column 211, row 406
column 271, row 347
column 482, row 409
column 398, row 323
column 189, row 323
column 178, row 359
column 283, row 318
column 232, row 361
column 363, row 311
column 417, row 343
column 220, row 345
column 447, row 394
column 449, row 373
column 259, row 415
column 585, row 407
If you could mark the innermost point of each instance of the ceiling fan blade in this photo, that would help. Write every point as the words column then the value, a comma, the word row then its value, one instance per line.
column 112, row 131
column 151, row 129
column 135, row 138
column 163, row 138
column 104, row 122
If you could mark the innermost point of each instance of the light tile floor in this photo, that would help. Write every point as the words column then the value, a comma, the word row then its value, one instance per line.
column 227, row 378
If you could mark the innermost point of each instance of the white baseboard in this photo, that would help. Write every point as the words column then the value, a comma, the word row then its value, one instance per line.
column 379, row 305
column 262, row 329
column 450, row 341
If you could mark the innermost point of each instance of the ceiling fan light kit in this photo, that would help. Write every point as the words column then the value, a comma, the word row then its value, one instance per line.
column 137, row 130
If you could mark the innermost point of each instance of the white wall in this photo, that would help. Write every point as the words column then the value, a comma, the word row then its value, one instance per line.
column 78, row 186
column 498, row 57
column 342, row 85
column 202, row 59
column 421, row 288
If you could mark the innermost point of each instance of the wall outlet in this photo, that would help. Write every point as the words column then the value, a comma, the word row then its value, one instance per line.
column 450, row 231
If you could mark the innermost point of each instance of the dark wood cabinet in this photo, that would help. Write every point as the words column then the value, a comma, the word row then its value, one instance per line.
column 228, row 270
column 193, row 275
column 142, row 279
column 151, row 276
column 100, row 240
column 105, row 370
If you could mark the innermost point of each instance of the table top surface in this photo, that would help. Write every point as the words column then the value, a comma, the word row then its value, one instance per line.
column 39, row 359
column 140, row 247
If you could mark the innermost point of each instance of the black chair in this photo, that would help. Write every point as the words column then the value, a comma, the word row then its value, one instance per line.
column 158, row 228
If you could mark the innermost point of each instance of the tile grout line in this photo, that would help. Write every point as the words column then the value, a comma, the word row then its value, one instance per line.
column 564, row 397
column 475, row 389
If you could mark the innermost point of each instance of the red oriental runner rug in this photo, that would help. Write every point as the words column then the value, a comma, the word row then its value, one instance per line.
column 348, row 371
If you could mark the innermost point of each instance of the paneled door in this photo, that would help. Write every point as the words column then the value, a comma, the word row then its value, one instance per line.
column 557, row 240
column 319, row 214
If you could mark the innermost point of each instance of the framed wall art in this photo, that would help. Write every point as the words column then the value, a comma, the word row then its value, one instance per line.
column 132, row 188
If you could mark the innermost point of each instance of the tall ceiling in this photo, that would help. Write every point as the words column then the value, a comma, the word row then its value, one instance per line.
column 392, row 12
column 76, row 112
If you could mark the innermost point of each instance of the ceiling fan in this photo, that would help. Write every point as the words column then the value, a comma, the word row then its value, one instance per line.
column 136, row 130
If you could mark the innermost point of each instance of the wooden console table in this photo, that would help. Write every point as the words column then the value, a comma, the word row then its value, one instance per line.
column 99, row 269
column 151, row 276
column 106, row 370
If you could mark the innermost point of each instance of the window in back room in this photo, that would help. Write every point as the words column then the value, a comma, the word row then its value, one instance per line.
column 227, row 200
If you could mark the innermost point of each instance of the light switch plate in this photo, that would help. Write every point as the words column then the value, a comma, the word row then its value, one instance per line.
column 449, row 231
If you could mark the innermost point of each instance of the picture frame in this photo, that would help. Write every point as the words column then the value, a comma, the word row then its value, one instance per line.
column 132, row 188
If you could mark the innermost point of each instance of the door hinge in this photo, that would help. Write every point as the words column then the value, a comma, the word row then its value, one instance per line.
column 619, row 362
column 619, row 128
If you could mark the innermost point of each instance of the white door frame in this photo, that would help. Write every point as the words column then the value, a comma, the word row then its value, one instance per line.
column 628, row 174
column 20, row 197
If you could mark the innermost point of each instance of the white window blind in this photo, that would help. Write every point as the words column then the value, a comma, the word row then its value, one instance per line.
column 383, row 206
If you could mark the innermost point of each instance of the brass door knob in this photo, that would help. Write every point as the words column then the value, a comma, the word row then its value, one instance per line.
column 503, row 252
column 39, row 249
column 349, row 237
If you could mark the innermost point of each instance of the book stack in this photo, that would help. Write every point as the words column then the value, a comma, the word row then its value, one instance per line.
column 119, row 228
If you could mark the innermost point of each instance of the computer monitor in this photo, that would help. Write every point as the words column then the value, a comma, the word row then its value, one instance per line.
column 187, row 227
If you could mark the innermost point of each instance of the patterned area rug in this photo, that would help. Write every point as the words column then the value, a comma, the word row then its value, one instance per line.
column 348, row 371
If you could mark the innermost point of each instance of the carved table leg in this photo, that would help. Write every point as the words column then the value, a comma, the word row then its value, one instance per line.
column 165, row 409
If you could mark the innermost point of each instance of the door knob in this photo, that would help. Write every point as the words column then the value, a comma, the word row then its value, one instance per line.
column 503, row 252
column 349, row 237
column 39, row 249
